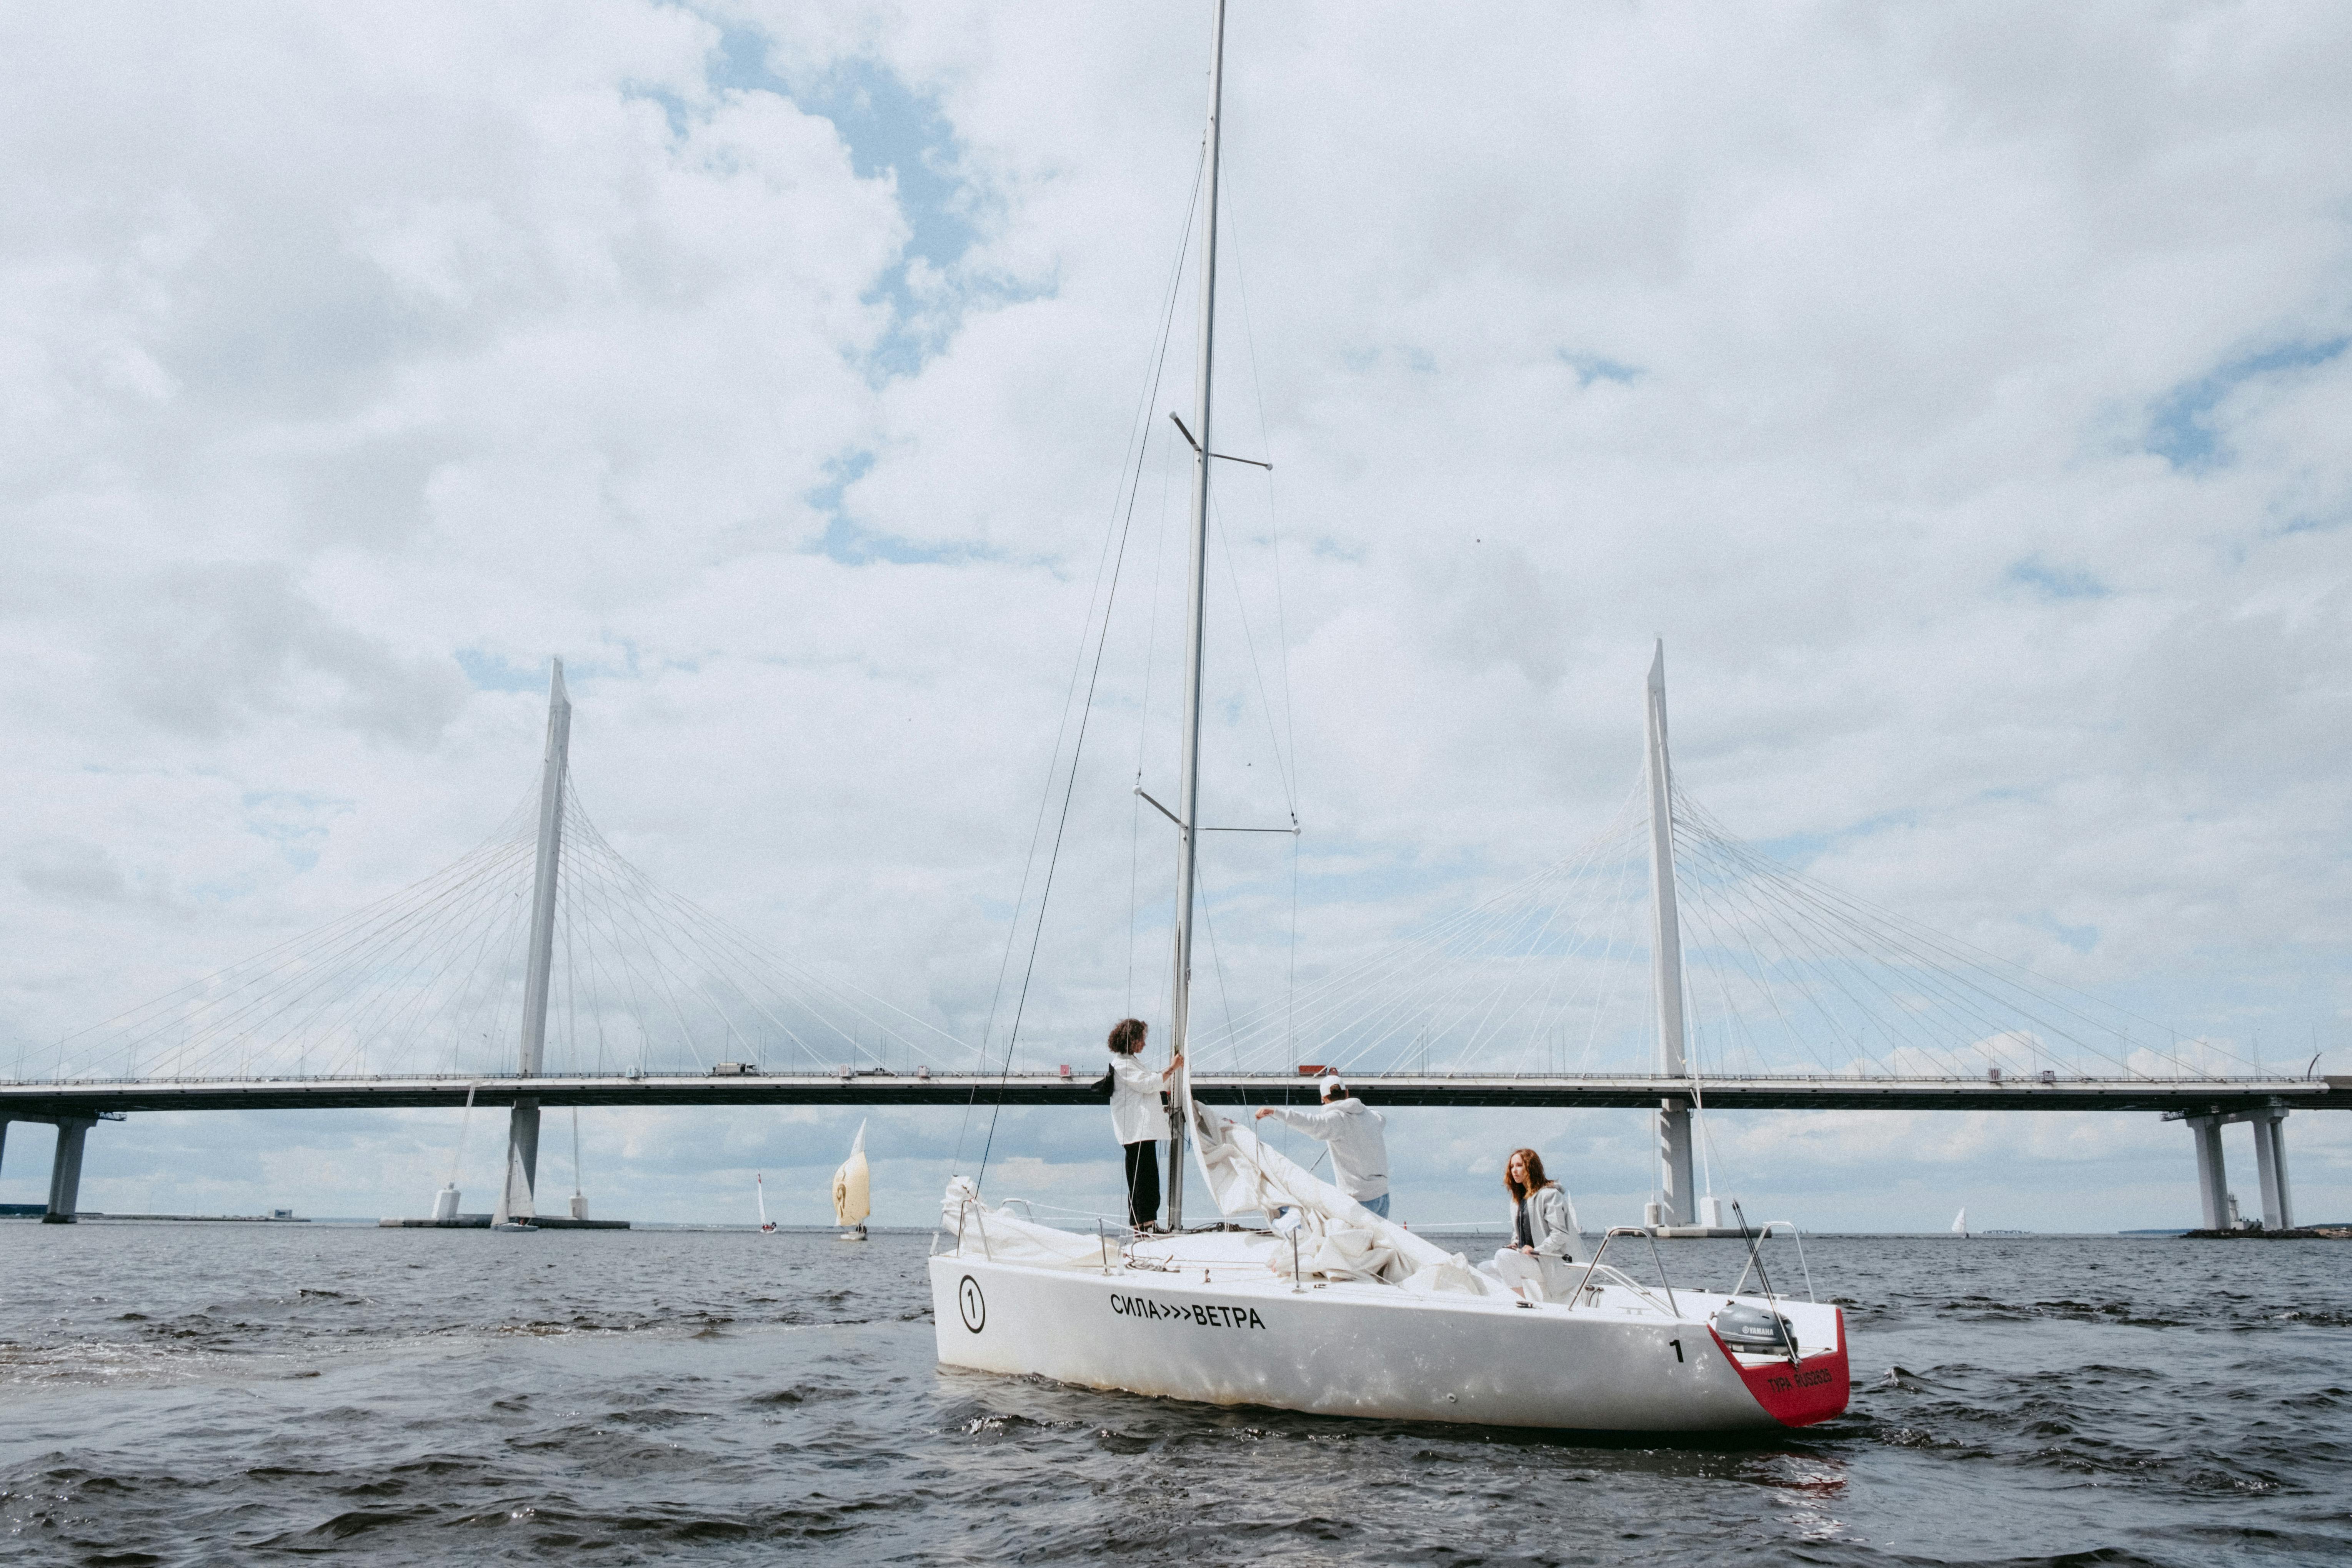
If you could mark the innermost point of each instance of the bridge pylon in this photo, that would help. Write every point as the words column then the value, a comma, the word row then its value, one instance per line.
column 519, row 1182
column 1678, row 1202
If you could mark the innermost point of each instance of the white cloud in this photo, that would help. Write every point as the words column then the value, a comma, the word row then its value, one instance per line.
column 1953, row 390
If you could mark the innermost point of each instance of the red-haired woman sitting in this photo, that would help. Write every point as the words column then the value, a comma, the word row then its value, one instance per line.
column 1544, row 1232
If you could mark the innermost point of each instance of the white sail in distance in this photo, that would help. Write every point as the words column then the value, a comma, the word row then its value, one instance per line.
column 514, row 1197
column 849, row 1184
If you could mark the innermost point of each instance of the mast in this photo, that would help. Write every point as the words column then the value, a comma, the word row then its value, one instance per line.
column 522, row 1122
column 1666, row 950
column 1189, row 798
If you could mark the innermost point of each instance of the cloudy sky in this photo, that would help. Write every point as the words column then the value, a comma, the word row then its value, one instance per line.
column 1959, row 393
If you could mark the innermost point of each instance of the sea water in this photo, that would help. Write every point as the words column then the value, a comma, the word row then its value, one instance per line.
column 216, row 1393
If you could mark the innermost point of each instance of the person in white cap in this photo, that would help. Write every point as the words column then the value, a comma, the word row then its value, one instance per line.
column 1360, row 1149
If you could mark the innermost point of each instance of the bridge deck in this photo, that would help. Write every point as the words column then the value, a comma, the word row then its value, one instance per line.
column 48, row 1101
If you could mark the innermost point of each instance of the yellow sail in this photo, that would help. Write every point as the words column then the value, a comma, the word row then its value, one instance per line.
column 849, row 1202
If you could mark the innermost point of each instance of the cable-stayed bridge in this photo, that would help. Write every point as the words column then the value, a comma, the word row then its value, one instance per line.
column 874, row 1087
column 1663, row 965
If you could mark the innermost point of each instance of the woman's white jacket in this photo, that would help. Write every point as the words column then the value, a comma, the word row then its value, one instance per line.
column 1552, row 1220
column 1135, row 1110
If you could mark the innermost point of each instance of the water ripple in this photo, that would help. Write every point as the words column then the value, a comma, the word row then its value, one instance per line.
column 411, row 1396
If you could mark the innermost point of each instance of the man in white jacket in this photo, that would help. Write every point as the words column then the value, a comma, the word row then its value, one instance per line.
column 1360, row 1149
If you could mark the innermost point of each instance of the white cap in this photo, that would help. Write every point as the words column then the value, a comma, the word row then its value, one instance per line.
column 1332, row 1087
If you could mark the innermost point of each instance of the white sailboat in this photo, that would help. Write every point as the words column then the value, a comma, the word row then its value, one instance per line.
column 850, row 1207
column 1960, row 1224
column 760, row 1191
column 514, row 1211
column 1323, row 1306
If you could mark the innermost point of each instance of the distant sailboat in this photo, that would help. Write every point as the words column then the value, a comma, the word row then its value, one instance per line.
column 849, row 1204
column 760, row 1191
column 1960, row 1225
column 514, row 1210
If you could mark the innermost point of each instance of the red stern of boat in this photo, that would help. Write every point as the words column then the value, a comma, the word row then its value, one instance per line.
column 1813, row 1390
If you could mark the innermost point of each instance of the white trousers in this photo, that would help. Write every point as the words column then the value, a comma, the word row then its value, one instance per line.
column 1540, row 1278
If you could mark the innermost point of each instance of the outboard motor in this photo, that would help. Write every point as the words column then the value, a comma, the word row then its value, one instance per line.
column 1752, row 1330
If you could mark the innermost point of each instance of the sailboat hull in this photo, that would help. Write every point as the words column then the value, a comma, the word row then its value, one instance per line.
column 1372, row 1352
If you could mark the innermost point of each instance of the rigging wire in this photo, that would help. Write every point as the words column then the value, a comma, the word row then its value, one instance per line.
column 1132, row 479
column 1144, row 716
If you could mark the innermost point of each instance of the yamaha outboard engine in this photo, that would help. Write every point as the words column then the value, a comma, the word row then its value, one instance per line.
column 1751, row 1331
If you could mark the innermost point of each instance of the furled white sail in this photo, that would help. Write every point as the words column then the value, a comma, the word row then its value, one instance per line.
column 1343, row 1239
column 1002, row 1237
column 849, row 1202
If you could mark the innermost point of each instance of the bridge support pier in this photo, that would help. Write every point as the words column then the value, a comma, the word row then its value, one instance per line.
column 1678, row 1205
column 2270, row 1159
column 2270, row 1163
column 520, row 1194
column 65, row 1171
column 2213, row 1173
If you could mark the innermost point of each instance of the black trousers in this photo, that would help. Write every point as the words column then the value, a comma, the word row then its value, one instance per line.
column 1142, row 1183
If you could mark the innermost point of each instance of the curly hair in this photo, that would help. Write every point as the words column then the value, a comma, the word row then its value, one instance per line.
column 1126, row 1037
